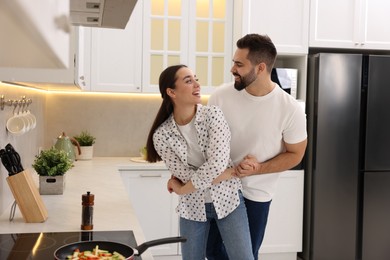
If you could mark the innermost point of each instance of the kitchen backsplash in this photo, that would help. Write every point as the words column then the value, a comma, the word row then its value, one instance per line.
column 26, row 145
column 120, row 123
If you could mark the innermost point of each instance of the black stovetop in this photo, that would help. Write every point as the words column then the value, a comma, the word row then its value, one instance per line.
column 41, row 246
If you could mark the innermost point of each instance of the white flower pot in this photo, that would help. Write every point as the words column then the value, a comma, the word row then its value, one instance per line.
column 86, row 153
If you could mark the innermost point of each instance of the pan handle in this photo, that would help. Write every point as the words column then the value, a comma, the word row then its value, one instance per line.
column 169, row 240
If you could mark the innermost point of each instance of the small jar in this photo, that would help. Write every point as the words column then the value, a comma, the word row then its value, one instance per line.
column 87, row 211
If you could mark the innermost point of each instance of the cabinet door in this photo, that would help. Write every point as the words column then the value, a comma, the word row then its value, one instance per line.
column 283, row 236
column 34, row 34
column 333, row 23
column 70, row 78
column 286, row 22
column 375, row 20
column 196, row 33
column 115, row 58
column 353, row 24
column 154, row 207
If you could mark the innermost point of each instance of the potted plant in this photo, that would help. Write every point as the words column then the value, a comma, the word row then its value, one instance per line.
column 86, row 141
column 51, row 166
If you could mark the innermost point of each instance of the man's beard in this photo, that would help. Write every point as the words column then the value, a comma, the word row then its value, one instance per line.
column 245, row 80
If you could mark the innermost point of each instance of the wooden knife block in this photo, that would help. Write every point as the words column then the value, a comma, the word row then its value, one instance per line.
column 27, row 197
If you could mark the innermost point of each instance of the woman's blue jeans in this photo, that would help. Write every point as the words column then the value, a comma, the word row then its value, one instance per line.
column 257, row 216
column 234, row 230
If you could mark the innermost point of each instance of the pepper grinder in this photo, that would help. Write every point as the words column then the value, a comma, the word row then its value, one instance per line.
column 87, row 211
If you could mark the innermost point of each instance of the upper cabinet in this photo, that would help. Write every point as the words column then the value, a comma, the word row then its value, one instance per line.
column 285, row 22
column 196, row 33
column 70, row 78
column 113, row 57
column 35, row 34
column 352, row 24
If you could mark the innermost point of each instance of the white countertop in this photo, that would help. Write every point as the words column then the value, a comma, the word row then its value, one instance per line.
column 112, row 209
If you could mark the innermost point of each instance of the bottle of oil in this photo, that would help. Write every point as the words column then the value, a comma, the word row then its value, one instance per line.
column 87, row 211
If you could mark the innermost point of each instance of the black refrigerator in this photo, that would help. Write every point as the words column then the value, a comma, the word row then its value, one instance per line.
column 347, row 177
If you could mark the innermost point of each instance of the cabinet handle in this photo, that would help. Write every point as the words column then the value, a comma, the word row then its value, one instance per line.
column 148, row 175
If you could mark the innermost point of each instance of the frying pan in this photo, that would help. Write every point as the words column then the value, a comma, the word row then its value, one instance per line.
column 127, row 251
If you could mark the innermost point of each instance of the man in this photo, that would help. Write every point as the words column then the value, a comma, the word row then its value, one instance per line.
column 268, row 132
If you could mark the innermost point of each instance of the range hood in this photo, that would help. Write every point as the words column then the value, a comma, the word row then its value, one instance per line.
column 101, row 13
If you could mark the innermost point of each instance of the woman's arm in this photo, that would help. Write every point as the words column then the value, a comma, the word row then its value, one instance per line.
column 226, row 175
column 178, row 187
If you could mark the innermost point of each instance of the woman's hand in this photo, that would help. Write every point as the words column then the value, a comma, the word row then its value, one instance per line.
column 174, row 185
column 178, row 187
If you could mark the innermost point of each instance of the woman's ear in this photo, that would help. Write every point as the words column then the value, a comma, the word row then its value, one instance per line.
column 171, row 92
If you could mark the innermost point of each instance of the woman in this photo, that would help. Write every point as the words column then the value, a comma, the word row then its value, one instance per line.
column 193, row 141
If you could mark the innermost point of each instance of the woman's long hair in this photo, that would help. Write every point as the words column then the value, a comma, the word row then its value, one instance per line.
column 167, row 80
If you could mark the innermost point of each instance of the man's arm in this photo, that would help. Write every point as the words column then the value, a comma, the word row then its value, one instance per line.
column 282, row 162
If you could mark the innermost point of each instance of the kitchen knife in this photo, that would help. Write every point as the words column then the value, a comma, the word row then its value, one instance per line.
column 15, row 158
column 6, row 160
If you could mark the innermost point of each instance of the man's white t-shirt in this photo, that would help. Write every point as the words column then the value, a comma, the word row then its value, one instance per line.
column 259, row 125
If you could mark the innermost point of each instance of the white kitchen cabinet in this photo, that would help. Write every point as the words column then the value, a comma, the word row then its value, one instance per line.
column 159, row 34
column 283, row 235
column 70, row 78
column 286, row 22
column 113, row 57
column 34, row 34
column 154, row 206
column 351, row 24
column 196, row 33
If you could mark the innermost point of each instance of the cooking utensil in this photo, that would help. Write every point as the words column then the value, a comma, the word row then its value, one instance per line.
column 15, row 158
column 6, row 160
column 127, row 251
column 11, row 160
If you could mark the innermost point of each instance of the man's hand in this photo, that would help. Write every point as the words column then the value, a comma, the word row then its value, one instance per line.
column 248, row 166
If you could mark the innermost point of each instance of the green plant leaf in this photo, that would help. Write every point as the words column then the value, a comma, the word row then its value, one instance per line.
column 52, row 162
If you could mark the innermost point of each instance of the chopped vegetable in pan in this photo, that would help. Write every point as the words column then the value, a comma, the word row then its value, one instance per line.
column 95, row 254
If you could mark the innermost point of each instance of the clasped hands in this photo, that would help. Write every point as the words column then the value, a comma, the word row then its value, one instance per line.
column 248, row 166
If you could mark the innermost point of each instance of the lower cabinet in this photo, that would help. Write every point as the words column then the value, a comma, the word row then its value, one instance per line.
column 283, row 235
column 154, row 206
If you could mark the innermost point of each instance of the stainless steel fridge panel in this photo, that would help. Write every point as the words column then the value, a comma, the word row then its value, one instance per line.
column 376, row 216
column 336, row 154
column 378, row 114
